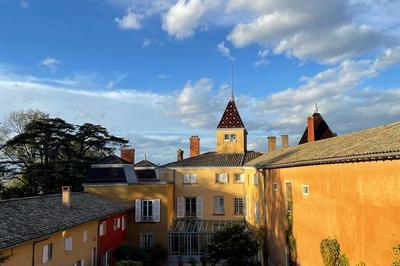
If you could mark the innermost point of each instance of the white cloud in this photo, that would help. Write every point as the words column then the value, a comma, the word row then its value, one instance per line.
column 119, row 77
column 131, row 21
column 185, row 16
column 391, row 56
column 262, row 54
column 163, row 76
column 50, row 63
column 221, row 48
column 24, row 4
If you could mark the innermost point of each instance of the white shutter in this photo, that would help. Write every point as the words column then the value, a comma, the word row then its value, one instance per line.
column 68, row 243
column 199, row 207
column 123, row 223
column 156, row 204
column 180, row 207
column 186, row 178
column 45, row 254
column 138, row 211
column 85, row 236
column 193, row 178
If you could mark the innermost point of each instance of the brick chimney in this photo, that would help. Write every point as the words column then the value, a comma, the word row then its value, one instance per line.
column 66, row 196
column 271, row 143
column 310, row 129
column 194, row 146
column 128, row 154
column 285, row 141
column 179, row 155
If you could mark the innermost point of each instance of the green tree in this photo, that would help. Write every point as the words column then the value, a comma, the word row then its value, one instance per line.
column 50, row 152
column 232, row 245
column 396, row 255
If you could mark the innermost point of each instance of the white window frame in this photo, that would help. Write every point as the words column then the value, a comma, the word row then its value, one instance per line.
column 68, row 243
column 305, row 189
column 275, row 186
column 241, row 178
column 223, row 180
column 94, row 256
column 144, row 237
column 149, row 218
column 189, row 179
column 82, row 262
column 103, row 228
column 47, row 253
column 219, row 209
column 238, row 205
column 230, row 137
column 85, row 236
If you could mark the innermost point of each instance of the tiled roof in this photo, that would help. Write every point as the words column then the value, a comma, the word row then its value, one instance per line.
column 371, row 144
column 26, row 219
column 321, row 129
column 214, row 159
column 145, row 163
column 231, row 117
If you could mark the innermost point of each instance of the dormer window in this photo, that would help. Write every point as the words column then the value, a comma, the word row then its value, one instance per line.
column 231, row 137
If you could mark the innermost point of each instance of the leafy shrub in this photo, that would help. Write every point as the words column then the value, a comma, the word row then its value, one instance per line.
column 331, row 253
column 396, row 255
column 128, row 252
column 128, row 263
column 192, row 261
column 158, row 254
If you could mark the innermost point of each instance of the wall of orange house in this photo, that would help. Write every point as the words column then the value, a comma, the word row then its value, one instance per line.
column 356, row 203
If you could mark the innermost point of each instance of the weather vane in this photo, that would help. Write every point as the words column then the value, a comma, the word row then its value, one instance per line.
column 316, row 108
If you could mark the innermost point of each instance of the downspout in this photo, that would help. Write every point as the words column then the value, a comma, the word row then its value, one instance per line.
column 33, row 249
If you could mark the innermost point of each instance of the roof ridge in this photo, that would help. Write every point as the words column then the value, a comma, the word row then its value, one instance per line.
column 38, row 196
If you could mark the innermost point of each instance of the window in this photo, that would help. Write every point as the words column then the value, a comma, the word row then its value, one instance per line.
column 124, row 223
column 238, row 203
column 117, row 223
column 189, row 178
column 190, row 207
column 108, row 258
column 275, row 186
column 47, row 253
column 79, row 263
column 102, row 228
column 255, row 179
column 239, row 178
column 221, row 178
column 146, row 240
column 84, row 236
column 306, row 190
column 218, row 205
column 230, row 137
column 147, row 210
column 94, row 256
column 68, row 243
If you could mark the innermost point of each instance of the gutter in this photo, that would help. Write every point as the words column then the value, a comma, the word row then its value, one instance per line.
column 334, row 160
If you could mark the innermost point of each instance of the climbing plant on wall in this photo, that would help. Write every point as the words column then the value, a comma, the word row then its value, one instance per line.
column 290, row 240
column 396, row 255
column 331, row 253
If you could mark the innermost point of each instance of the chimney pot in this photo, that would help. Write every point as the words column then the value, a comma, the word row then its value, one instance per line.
column 310, row 129
column 66, row 196
column 285, row 141
column 271, row 143
column 194, row 146
column 179, row 155
column 128, row 154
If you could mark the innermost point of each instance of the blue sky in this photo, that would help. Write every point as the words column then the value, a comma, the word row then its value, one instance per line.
column 158, row 71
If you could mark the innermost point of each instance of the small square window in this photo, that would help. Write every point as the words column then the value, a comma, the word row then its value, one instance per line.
column 275, row 186
column 230, row 137
column 189, row 178
column 306, row 190
column 222, row 178
column 239, row 178
column 146, row 240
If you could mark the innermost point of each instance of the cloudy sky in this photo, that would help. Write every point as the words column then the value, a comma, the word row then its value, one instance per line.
column 157, row 71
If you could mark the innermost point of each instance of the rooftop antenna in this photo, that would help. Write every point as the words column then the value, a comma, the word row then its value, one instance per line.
column 316, row 108
column 232, row 97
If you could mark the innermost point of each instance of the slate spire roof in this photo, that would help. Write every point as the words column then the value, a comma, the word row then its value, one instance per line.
column 321, row 129
column 231, row 117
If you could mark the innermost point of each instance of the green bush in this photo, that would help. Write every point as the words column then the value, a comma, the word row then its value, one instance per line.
column 128, row 252
column 158, row 254
column 396, row 255
column 192, row 261
column 128, row 263
column 331, row 253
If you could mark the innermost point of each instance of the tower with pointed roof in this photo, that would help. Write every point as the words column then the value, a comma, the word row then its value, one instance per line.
column 231, row 132
column 319, row 128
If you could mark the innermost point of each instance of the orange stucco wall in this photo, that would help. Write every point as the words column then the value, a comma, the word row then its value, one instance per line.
column 356, row 203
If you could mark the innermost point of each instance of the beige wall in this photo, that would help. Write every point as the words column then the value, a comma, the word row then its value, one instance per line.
column 356, row 203
column 22, row 255
column 128, row 194
column 207, row 188
column 237, row 146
